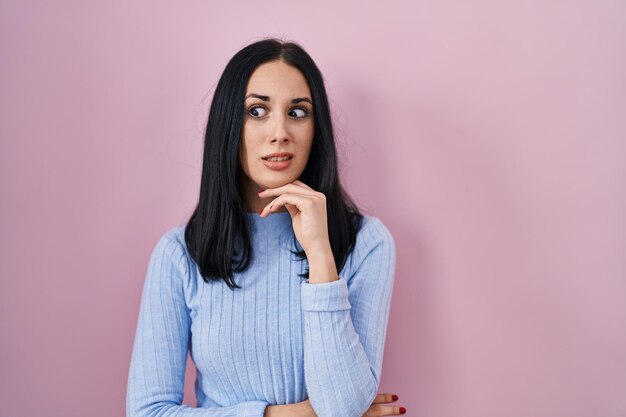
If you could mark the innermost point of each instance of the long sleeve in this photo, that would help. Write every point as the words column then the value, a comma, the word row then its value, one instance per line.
column 159, row 356
column 345, row 324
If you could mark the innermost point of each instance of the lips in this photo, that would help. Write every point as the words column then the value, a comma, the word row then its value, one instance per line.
column 278, row 155
column 277, row 165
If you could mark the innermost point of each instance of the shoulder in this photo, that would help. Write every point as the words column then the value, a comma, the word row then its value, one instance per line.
column 171, row 245
column 373, row 232
column 374, row 241
column 373, row 257
column 174, row 234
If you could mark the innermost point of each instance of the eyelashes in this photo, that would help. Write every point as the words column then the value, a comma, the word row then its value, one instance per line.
column 255, row 108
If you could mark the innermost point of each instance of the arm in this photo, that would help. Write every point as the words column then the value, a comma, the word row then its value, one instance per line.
column 159, row 356
column 345, row 323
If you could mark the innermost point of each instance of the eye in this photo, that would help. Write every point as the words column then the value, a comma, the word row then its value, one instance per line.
column 257, row 111
column 299, row 112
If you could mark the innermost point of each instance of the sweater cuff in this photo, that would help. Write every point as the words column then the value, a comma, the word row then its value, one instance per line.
column 326, row 296
column 252, row 409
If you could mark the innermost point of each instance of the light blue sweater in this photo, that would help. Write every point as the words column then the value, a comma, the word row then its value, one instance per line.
column 277, row 340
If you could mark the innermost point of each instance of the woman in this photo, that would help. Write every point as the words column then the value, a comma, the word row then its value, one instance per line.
column 277, row 285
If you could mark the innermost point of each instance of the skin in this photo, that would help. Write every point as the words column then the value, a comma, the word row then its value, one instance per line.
column 279, row 126
column 304, row 409
column 275, row 124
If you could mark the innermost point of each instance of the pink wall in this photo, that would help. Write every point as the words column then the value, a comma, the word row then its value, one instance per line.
column 489, row 136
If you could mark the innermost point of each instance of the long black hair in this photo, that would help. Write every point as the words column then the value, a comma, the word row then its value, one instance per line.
column 219, row 225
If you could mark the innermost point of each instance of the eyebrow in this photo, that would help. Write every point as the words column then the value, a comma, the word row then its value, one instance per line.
column 267, row 98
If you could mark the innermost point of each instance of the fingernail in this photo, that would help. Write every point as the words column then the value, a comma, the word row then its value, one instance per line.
column 402, row 410
column 394, row 397
column 260, row 212
column 261, row 191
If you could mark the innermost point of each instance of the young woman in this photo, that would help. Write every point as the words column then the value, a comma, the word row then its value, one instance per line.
column 277, row 285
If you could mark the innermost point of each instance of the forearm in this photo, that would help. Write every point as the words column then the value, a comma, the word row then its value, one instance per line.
column 322, row 266
column 345, row 323
column 338, row 374
column 335, row 326
column 276, row 410
column 301, row 409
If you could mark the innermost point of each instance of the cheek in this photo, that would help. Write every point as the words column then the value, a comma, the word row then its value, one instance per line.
column 305, row 135
column 304, row 149
column 308, row 143
column 244, row 155
column 250, row 137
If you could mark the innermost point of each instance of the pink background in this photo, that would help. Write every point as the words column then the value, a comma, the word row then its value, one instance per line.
column 489, row 136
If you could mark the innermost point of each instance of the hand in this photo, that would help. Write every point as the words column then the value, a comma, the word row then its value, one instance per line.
column 376, row 409
column 307, row 208
column 304, row 408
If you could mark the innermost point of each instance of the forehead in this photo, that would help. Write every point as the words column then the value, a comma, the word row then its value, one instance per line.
column 277, row 78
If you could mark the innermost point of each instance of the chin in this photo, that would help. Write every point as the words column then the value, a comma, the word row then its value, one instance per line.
column 277, row 180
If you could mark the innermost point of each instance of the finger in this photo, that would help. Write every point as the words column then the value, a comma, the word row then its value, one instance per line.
column 287, row 188
column 298, row 200
column 302, row 184
column 385, row 398
column 378, row 410
column 291, row 209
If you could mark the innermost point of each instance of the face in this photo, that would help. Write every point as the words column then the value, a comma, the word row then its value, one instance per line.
column 278, row 118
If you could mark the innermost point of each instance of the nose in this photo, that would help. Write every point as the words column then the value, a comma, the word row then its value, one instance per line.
column 280, row 131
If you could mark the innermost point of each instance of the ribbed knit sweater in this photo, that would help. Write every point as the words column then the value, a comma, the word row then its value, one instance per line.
column 278, row 340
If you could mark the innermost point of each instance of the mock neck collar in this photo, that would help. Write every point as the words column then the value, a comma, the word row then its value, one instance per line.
column 275, row 221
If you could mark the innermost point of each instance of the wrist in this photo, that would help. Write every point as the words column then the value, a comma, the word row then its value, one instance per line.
column 283, row 410
column 272, row 411
column 320, row 253
column 322, row 269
